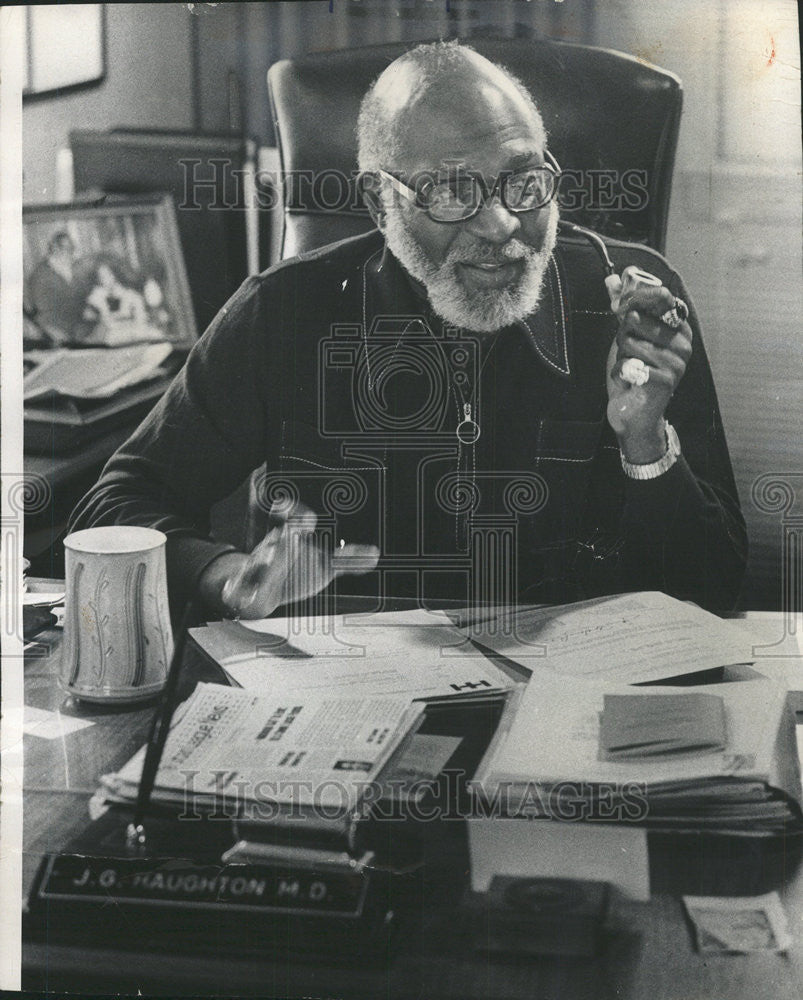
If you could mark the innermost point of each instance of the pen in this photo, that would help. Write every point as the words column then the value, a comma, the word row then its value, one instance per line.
column 157, row 735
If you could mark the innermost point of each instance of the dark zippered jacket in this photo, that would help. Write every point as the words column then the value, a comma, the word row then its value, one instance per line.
column 330, row 375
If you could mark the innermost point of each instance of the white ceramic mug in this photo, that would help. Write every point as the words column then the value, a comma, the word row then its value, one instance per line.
column 117, row 636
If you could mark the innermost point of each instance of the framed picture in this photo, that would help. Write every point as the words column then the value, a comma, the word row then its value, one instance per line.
column 65, row 48
column 105, row 274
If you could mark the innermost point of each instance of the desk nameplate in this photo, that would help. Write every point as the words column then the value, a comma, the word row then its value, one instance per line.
column 159, row 882
column 184, row 906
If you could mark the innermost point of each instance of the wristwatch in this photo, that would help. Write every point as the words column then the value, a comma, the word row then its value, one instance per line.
column 654, row 469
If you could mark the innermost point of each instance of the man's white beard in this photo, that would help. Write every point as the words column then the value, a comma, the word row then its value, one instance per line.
column 479, row 310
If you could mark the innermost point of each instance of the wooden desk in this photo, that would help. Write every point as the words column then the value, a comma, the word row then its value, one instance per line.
column 649, row 952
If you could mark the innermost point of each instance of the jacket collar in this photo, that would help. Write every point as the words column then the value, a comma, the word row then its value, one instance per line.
column 549, row 328
column 389, row 290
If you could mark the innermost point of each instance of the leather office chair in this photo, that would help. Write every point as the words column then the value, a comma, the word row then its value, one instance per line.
column 604, row 111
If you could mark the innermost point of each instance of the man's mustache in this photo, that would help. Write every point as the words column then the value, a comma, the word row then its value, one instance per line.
column 487, row 253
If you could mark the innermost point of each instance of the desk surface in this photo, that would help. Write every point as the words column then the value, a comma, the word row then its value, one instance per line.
column 649, row 951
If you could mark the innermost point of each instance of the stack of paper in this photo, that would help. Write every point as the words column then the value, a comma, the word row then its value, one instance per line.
column 309, row 757
column 416, row 654
column 94, row 373
column 548, row 759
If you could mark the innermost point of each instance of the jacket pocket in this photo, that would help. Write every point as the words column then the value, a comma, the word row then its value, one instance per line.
column 567, row 440
column 563, row 453
column 303, row 445
column 318, row 472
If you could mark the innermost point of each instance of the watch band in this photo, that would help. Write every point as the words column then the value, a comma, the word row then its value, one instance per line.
column 651, row 470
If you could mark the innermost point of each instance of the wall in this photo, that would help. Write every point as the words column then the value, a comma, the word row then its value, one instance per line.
column 734, row 233
column 168, row 67
column 248, row 37
column 148, row 83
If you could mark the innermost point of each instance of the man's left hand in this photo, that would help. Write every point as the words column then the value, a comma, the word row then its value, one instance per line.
column 636, row 412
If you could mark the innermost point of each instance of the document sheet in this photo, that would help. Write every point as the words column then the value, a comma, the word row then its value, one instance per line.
column 630, row 638
column 415, row 654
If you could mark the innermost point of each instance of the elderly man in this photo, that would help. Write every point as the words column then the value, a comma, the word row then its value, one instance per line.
column 445, row 394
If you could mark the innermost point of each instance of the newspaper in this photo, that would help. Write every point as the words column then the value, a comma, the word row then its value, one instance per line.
column 305, row 750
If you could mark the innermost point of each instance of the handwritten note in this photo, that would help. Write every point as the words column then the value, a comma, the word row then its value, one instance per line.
column 630, row 638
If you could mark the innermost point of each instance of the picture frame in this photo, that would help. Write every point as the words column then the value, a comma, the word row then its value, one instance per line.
column 105, row 273
column 65, row 49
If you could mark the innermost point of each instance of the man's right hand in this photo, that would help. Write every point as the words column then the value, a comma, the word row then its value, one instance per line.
column 287, row 565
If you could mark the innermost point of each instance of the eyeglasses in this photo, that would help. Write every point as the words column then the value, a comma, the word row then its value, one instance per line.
column 461, row 196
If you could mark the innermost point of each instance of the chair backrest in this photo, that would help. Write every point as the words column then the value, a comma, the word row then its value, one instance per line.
column 612, row 122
